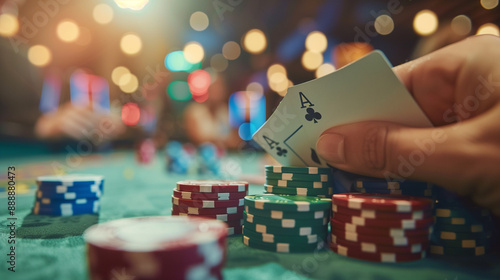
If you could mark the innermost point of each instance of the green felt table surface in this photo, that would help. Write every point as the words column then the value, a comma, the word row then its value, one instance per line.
column 53, row 247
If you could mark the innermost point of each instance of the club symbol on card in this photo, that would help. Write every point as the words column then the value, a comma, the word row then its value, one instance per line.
column 314, row 156
column 312, row 115
column 281, row 152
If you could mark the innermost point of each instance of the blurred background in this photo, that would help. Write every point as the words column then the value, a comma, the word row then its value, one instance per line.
column 116, row 72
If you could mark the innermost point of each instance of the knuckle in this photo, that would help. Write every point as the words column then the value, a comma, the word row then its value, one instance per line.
column 375, row 147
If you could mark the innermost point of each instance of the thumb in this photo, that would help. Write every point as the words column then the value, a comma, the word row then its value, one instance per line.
column 383, row 149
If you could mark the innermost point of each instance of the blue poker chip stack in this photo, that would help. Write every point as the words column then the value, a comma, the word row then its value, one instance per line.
column 461, row 228
column 406, row 187
column 68, row 195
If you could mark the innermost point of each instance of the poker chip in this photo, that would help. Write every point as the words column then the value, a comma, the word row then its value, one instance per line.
column 298, row 184
column 383, row 215
column 284, row 223
column 299, row 177
column 301, row 231
column 275, row 238
column 68, row 195
column 297, row 191
column 377, row 248
column 298, row 170
column 391, row 223
column 382, row 240
column 207, row 211
column 209, row 196
column 213, row 199
column 461, row 228
column 381, row 227
column 162, row 247
column 457, row 252
column 277, row 214
column 392, row 232
column 282, row 247
column 207, row 203
column 385, row 257
column 395, row 203
column 220, row 217
column 212, row 186
column 287, row 202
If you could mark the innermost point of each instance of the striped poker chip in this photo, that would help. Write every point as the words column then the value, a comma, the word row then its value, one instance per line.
column 212, row 186
column 298, row 191
column 209, row 196
column 388, row 223
column 68, row 195
column 383, row 202
column 277, row 214
column 298, row 169
column 383, row 215
column 207, row 211
column 299, row 177
column 71, row 180
column 207, row 203
column 283, row 247
column 170, row 247
column 370, row 247
column 391, row 232
column 382, row 240
column 375, row 257
column 287, row 202
column 298, row 184
column 275, row 238
column 284, row 223
column 457, row 252
column 220, row 217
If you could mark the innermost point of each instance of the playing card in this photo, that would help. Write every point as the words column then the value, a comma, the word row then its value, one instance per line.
column 364, row 90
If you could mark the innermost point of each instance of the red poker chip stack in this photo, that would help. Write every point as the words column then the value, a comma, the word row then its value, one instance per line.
column 381, row 227
column 162, row 247
column 213, row 199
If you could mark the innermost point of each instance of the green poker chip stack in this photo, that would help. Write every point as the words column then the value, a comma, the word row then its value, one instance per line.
column 461, row 228
column 286, row 223
column 299, row 181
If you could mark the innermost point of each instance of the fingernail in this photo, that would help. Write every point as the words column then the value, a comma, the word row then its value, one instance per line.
column 330, row 147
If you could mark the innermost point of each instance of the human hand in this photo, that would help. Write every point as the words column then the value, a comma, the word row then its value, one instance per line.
column 458, row 88
column 75, row 122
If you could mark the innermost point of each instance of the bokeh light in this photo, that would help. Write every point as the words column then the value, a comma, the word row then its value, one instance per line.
column 68, row 31
column 246, row 130
column 9, row 25
column 488, row 28
column 324, row 69
column 131, row 44
column 39, row 55
column 135, row 5
column 461, row 25
column 193, row 52
column 179, row 90
column 199, row 21
column 175, row 61
column 311, row 60
column 231, row 50
column 199, row 81
column 275, row 68
column 255, row 87
column 128, row 83
column 489, row 4
column 425, row 22
column 103, row 13
column 316, row 41
column 346, row 53
column 255, row 41
column 131, row 114
column 117, row 74
column 218, row 62
column 200, row 98
column 384, row 25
